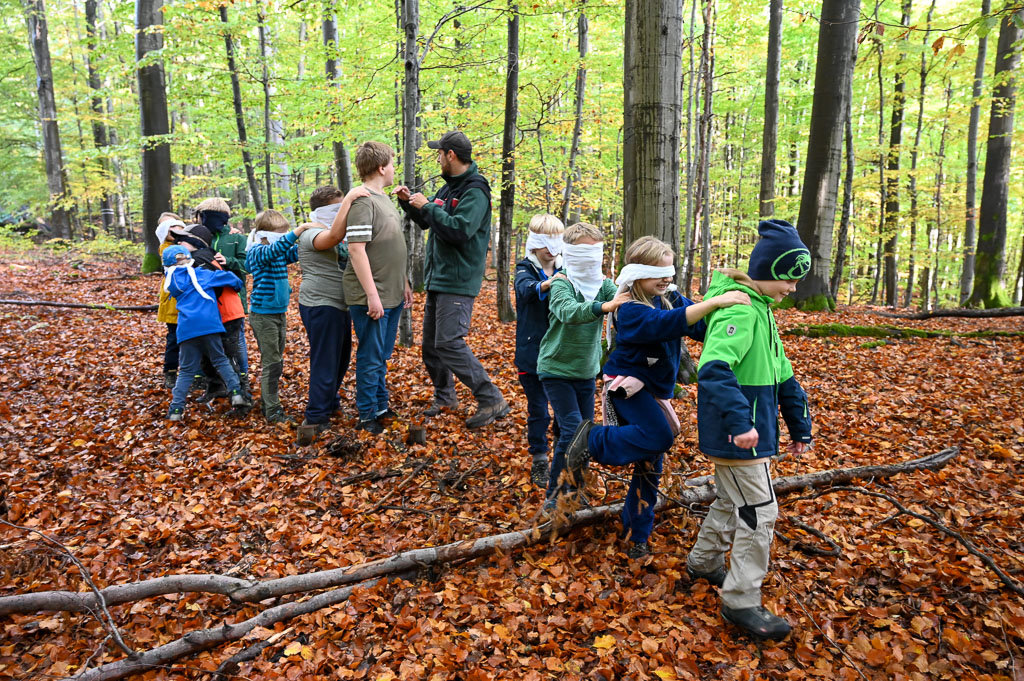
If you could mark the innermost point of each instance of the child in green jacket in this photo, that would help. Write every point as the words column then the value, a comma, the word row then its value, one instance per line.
column 743, row 380
column 570, row 352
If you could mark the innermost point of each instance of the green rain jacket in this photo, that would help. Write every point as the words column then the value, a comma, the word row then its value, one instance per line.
column 744, row 377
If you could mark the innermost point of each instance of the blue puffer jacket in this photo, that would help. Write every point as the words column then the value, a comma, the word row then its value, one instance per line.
column 647, row 343
column 199, row 315
column 531, row 314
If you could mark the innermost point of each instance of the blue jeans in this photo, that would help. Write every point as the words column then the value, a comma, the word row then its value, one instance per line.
column 243, row 351
column 376, row 343
column 537, row 416
column 572, row 402
column 190, row 355
column 327, row 328
column 641, row 441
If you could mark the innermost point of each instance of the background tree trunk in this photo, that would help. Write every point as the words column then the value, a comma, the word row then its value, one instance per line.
column 686, row 276
column 236, row 93
column 268, row 177
column 653, row 108
column 704, row 143
column 892, row 184
column 577, row 130
column 970, row 212
column 156, row 152
column 844, row 220
column 56, row 177
column 769, row 140
column 99, row 126
column 342, row 163
column 410, row 142
column 837, row 39
column 990, row 261
column 506, row 211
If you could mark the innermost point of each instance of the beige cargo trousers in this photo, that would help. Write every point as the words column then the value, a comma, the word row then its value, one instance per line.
column 742, row 518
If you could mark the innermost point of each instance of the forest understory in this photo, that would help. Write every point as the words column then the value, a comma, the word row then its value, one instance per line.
column 89, row 460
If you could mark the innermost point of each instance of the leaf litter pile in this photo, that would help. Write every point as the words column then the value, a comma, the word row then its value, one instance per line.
column 89, row 461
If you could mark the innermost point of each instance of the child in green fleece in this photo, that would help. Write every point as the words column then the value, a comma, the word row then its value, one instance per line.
column 744, row 379
column 570, row 352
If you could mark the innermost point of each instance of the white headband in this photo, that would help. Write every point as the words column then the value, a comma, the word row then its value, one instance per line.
column 536, row 241
column 257, row 236
column 325, row 214
column 191, row 275
column 164, row 227
column 634, row 271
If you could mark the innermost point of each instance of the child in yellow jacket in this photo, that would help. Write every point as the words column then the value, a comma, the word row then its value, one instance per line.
column 167, row 311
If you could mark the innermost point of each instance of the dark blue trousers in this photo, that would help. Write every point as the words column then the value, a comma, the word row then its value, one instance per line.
column 642, row 443
column 171, row 348
column 538, row 418
column 572, row 402
column 328, row 330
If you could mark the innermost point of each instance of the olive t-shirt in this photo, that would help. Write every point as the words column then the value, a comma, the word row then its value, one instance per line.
column 375, row 221
column 321, row 276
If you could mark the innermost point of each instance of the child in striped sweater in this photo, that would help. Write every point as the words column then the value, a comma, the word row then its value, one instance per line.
column 270, row 250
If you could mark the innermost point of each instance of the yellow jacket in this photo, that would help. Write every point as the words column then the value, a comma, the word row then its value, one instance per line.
column 167, row 312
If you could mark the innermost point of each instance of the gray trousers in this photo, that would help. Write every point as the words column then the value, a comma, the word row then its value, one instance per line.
column 446, row 318
column 742, row 517
column 269, row 330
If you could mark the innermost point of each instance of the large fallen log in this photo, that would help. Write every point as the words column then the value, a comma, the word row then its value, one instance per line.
column 87, row 306
column 958, row 312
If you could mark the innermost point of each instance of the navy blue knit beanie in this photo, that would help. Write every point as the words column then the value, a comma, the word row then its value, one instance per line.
column 779, row 254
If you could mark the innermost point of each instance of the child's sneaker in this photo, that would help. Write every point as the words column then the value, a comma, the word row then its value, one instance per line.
column 577, row 454
column 170, row 378
column 758, row 621
column 539, row 473
column 639, row 550
column 278, row 416
column 238, row 399
column 371, row 426
column 175, row 414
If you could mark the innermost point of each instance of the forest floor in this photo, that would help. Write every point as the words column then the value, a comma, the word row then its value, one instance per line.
column 88, row 458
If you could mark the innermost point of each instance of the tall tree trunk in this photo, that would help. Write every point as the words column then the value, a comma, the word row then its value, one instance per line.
column 268, row 176
column 923, row 73
column 837, row 38
column 99, row 126
column 342, row 165
column 652, row 116
column 506, row 312
column 156, row 151
column 688, row 252
column 1018, row 284
column 970, row 221
column 410, row 20
column 577, row 130
column 928, row 287
column 769, row 141
column 236, row 93
column 844, row 220
column 990, row 260
column 56, row 176
column 892, row 185
column 703, row 210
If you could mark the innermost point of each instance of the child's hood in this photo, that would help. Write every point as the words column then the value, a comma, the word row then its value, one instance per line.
column 729, row 279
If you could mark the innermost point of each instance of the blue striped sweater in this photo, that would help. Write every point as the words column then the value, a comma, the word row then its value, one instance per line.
column 269, row 268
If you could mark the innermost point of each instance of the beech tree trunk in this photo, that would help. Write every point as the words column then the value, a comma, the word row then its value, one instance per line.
column 844, row 220
column 837, row 39
column 704, row 143
column 769, row 140
column 156, row 151
column 685, row 278
column 342, row 164
column 577, row 129
column 970, row 212
column 506, row 211
column 410, row 20
column 56, row 176
column 268, row 177
column 99, row 126
column 990, row 261
column 892, row 184
column 652, row 116
column 236, row 93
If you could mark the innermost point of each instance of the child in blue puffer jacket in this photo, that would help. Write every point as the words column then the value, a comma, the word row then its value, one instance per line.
column 640, row 378
column 199, row 329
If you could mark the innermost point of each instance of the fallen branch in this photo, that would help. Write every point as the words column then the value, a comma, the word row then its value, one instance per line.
column 247, row 591
column 959, row 312
column 87, row 306
column 401, row 485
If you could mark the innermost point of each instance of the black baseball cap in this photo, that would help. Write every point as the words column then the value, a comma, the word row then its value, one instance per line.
column 455, row 141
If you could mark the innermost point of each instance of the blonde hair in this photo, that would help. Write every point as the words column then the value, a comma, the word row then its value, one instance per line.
column 271, row 221
column 371, row 156
column 545, row 223
column 581, row 230
column 647, row 250
column 214, row 203
column 168, row 215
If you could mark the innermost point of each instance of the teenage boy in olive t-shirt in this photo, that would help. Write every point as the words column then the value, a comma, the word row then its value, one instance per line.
column 375, row 282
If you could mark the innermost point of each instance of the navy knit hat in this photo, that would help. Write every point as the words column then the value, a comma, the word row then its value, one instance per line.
column 779, row 254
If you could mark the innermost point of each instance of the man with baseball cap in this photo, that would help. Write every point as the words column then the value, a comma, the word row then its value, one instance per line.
column 459, row 221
